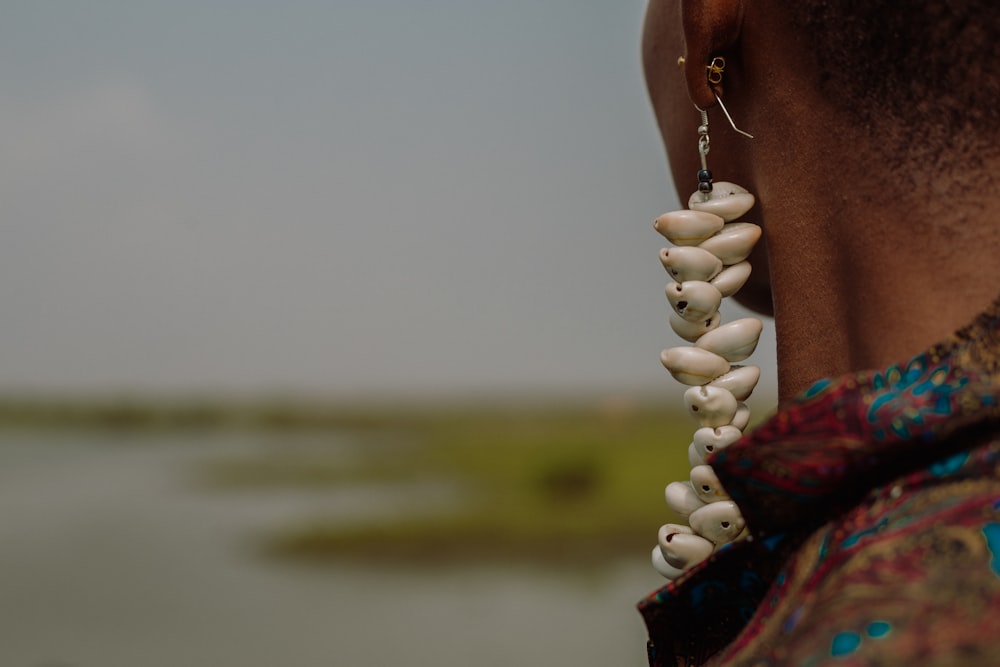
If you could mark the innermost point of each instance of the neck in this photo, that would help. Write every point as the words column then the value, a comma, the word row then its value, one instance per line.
column 866, row 276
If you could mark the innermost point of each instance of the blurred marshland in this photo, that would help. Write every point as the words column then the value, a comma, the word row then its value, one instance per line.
column 558, row 484
column 242, row 533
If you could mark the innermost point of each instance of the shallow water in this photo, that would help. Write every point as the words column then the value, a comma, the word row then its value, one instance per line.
column 111, row 557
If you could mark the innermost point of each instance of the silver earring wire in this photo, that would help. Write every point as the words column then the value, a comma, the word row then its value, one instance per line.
column 704, row 143
column 728, row 117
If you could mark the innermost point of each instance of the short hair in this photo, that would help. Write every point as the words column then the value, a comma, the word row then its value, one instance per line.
column 932, row 65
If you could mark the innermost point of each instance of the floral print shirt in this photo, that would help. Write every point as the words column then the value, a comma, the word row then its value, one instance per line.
column 873, row 503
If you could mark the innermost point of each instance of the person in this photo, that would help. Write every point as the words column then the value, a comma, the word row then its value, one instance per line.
column 871, row 497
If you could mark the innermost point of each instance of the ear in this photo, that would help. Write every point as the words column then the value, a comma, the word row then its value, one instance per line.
column 711, row 28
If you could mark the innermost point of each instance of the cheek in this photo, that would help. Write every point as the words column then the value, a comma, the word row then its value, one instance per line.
column 662, row 44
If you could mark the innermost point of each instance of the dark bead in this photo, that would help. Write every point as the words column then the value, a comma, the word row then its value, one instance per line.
column 705, row 175
column 705, row 187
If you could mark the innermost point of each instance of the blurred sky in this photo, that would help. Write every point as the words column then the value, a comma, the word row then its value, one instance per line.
column 349, row 197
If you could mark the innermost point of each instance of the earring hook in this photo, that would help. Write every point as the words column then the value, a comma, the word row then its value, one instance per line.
column 728, row 117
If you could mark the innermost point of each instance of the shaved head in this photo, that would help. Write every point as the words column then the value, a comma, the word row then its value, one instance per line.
column 926, row 65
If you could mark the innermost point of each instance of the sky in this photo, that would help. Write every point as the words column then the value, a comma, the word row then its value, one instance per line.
column 348, row 198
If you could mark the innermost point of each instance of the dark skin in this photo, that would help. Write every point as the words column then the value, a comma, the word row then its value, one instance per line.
column 863, row 268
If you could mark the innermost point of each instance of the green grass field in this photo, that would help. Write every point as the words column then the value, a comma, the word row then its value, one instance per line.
column 554, row 484
column 561, row 485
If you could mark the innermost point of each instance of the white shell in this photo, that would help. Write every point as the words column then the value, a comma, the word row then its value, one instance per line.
column 694, row 300
column 693, row 365
column 692, row 331
column 690, row 263
column 742, row 417
column 694, row 456
column 734, row 243
column 710, row 440
column 710, row 406
column 707, row 485
column 718, row 522
column 681, row 498
column 687, row 227
column 661, row 565
column 740, row 381
column 734, row 341
column 668, row 528
column 682, row 548
column 732, row 278
column 726, row 200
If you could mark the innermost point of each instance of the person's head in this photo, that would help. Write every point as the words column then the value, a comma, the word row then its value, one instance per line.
column 874, row 162
column 919, row 81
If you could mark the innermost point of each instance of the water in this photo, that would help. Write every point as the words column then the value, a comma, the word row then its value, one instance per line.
column 111, row 557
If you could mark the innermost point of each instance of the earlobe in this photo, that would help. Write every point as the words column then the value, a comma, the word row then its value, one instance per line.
column 711, row 28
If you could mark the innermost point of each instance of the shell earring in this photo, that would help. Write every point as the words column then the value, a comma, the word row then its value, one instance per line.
column 707, row 264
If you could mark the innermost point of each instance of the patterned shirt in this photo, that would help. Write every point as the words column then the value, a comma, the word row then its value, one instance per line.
column 873, row 502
